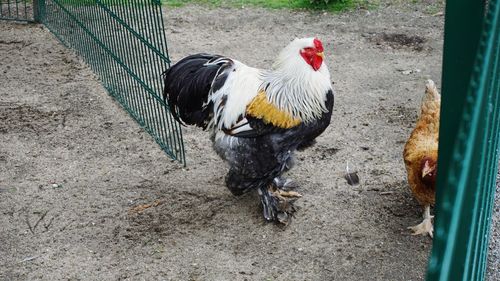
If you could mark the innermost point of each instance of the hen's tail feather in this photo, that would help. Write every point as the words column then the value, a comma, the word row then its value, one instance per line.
column 431, row 91
column 431, row 101
column 187, row 88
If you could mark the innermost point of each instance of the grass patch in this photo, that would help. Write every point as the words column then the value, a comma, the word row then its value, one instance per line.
column 332, row 5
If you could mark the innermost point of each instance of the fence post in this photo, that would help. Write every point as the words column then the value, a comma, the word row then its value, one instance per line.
column 468, row 143
column 38, row 10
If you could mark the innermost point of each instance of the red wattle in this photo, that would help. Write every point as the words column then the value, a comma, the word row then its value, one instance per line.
column 316, row 63
column 310, row 55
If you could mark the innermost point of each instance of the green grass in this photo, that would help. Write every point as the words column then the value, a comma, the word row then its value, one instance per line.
column 333, row 5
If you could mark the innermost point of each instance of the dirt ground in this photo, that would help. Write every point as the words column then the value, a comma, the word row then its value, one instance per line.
column 73, row 164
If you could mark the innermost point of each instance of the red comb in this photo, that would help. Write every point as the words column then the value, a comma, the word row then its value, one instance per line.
column 318, row 45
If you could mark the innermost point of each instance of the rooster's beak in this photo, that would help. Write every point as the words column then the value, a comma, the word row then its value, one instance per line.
column 321, row 54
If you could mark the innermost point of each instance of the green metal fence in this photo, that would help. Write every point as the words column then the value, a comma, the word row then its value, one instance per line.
column 19, row 10
column 124, row 43
column 469, row 142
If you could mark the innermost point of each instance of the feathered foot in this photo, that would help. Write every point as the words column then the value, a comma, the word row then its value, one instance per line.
column 426, row 226
column 284, row 183
column 277, row 204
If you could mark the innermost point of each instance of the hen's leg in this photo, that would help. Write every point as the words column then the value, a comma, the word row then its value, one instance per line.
column 277, row 205
column 425, row 227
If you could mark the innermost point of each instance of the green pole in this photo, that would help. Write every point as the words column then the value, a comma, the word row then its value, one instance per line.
column 462, row 31
column 38, row 10
column 458, row 191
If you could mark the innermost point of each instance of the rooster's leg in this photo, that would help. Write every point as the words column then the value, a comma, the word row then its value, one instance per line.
column 277, row 205
column 425, row 227
column 284, row 183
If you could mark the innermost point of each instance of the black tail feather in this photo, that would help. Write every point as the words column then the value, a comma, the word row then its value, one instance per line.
column 187, row 87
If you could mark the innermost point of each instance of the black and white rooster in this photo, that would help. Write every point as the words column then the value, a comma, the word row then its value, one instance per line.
column 258, row 118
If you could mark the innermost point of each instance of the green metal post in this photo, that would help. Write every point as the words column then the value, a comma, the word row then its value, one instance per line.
column 468, row 138
column 462, row 30
column 38, row 10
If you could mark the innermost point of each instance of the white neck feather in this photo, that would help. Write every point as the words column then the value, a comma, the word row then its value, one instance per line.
column 295, row 87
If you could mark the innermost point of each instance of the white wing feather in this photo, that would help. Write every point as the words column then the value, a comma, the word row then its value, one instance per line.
column 241, row 86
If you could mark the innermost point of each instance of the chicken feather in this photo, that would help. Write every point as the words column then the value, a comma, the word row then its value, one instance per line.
column 421, row 154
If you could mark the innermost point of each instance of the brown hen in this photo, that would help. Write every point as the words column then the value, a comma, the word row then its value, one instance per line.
column 421, row 154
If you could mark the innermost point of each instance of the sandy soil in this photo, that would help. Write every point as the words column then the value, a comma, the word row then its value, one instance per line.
column 73, row 165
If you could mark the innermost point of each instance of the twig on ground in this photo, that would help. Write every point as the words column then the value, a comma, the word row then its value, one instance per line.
column 140, row 208
column 387, row 193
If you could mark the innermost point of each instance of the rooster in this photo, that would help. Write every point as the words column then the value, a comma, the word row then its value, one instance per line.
column 257, row 118
column 420, row 156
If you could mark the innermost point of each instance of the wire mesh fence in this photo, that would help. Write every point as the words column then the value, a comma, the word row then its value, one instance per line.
column 124, row 42
column 19, row 10
column 469, row 144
